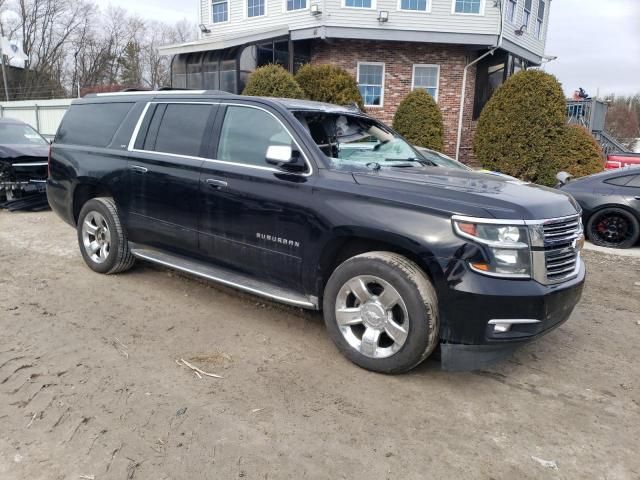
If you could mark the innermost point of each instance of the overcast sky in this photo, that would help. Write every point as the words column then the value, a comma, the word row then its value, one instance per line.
column 597, row 42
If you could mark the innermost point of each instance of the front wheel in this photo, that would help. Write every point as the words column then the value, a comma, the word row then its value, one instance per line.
column 102, row 240
column 613, row 227
column 381, row 312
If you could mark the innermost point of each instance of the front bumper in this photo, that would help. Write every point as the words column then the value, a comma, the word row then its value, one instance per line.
column 470, row 342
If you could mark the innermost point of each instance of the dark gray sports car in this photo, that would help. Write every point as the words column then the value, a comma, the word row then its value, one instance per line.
column 611, row 205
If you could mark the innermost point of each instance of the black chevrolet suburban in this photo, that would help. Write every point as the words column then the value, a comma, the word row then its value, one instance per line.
column 321, row 207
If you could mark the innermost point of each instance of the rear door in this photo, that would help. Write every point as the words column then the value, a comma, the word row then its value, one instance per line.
column 166, row 155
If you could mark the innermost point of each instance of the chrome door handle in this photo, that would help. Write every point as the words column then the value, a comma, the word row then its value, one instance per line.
column 637, row 197
column 138, row 169
column 215, row 183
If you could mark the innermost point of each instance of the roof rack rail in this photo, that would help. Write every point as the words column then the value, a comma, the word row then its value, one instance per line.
column 134, row 89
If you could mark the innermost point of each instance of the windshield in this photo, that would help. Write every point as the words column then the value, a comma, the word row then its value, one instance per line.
column 18, row 134
column 351, row 141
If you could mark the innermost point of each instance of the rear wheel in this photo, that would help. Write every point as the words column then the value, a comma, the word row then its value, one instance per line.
column 613, row 227
column 102, row 240
column 381, row 311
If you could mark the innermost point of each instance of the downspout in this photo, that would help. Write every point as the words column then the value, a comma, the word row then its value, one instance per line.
column 466, row 72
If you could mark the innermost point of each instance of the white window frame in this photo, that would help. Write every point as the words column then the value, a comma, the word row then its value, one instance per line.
column 211, row 10
column 539, row 31
column 381, row 87
column 246, row 10
column 428, row 10
column 479, row 14
column 524, row 12
column 372, row 7
column 513, row 20
column 429, row 65
column 286, row 10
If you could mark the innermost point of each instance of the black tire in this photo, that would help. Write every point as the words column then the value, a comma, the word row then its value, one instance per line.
column 614, row 228
column 119, row 257
column 414, row 289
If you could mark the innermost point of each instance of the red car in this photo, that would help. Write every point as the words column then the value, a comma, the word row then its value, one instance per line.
column 618, row 160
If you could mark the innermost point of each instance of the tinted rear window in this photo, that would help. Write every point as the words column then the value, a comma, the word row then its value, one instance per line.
column 635, row 182
column 620, row 181
column 182, row 128
column 92, row 124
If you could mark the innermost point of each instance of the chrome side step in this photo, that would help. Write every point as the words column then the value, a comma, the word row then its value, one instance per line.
column 224, row 276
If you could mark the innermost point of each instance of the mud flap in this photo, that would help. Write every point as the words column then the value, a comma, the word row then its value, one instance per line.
column 464, row 358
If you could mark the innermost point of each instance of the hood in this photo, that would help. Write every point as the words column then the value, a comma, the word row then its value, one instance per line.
column 454, row 191
column 13, row 151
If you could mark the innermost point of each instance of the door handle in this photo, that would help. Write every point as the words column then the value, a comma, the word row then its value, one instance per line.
column 637, row 197
column 215, row 183
column 138, row 169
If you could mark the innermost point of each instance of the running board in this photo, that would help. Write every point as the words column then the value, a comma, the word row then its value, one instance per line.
column 225, row 277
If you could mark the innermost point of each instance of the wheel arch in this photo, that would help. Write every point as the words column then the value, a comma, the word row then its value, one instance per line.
column 346, row 243
column 85, row 190
column 621, row 206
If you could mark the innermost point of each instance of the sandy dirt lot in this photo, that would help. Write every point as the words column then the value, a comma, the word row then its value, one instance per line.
column 89, row 385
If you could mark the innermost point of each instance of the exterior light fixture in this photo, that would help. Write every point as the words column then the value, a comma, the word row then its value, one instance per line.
column 519, row 32
column 204, row 29
column 315, row 9
column 383, row 16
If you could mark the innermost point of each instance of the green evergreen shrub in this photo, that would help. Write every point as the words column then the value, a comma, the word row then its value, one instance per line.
column 329, row 83
column 419, row 119
column 578, row 153
column 522, row 127
column 273, row 81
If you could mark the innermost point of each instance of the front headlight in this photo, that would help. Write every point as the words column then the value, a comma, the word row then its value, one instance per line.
column 506, row 247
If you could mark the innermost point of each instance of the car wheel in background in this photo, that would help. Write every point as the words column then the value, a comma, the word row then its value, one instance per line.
column 381, row 311
column 102, row 240
column 613, row 227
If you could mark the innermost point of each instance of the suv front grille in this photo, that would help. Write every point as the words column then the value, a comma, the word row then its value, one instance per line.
column 559, row 256
column 565, row 229
column 560, row 263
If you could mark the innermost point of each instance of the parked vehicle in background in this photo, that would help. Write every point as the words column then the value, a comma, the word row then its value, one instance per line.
column 610, row 204
column 442, row 160
column 23, row 160
column 321, row 207
column 620, row 160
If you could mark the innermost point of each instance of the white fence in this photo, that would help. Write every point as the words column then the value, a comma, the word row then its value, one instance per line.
column 43, row 115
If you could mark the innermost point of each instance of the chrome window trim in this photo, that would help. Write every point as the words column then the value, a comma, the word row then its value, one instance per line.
column 136, row 132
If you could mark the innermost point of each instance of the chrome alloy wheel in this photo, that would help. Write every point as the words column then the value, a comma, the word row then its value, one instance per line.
column 372, row 316
column 96, row 237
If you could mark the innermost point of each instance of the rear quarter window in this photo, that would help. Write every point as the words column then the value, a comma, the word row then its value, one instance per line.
column 92, row 124
column 620, row 181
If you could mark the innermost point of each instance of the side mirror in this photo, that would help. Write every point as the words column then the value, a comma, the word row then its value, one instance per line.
column 563, row 178
column 285, row 158
column 279, row 154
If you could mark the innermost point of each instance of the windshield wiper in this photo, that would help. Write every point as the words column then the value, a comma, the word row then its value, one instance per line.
column 407, row 160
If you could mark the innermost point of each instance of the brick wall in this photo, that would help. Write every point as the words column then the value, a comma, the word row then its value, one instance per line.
column 399, row 58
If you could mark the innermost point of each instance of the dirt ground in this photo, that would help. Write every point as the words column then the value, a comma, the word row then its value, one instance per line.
column 90, row 387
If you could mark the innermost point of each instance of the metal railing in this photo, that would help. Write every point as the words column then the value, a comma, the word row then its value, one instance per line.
column 590, row 113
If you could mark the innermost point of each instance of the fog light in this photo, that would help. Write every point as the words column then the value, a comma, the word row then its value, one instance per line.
column 503, row 325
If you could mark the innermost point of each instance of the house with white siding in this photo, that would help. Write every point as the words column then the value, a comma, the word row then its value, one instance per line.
column 459, row 51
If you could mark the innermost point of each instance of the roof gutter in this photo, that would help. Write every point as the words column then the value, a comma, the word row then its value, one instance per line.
column 466, row 72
